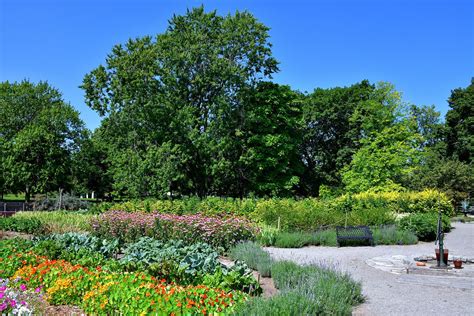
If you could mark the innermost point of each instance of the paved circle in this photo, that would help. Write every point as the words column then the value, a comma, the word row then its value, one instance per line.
column 394, row 293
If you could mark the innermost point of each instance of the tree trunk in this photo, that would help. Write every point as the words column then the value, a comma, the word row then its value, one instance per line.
column 27, row 194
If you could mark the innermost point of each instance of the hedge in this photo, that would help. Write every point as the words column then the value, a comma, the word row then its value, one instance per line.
column 367, row 208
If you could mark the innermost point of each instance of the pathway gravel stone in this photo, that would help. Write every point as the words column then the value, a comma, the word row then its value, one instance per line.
column 390, row 291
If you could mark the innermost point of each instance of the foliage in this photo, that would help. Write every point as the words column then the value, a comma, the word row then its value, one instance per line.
column 384, row 235
column 267, row 235
column 76, row 241
column 186, row 205
column 300, row 239
column 67, row 202
column 253, row 256
column 99, row 291
column 307, row 290
column 424, row 225
column 328, row 135
column 392, row 235
column 57, row 221
column 428, row 125
column 38, row 134
column 462, row 219
column 173, row 106
column 460, row 124
column 217, row 232
column 449, row 175
column 365, row 208
column 17, row 299
column 186, row 264
column 269, row 164
column 293, row 240
column 24, row 225
column 384, row 160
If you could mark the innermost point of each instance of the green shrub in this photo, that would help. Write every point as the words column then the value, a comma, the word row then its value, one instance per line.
column 190, row 205
column 424, row 225
column 23, row 225
column 79, row 241
column 307, row 290
column 254, row 256
column 267, row 235
column 391, row 235
column 293, row 240
column 366, row 208
column 324, row 237
column 57, row 221
column 68, row 202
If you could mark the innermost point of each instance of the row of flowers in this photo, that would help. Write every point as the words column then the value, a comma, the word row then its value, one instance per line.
column 218, row 232
column 101, row 292
column 19, row 299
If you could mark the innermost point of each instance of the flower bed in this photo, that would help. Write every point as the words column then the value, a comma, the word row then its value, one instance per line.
column 218, row 232
column 102, row 292
column 19, row 300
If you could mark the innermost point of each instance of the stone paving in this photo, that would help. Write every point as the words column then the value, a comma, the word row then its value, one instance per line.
column 389, row 290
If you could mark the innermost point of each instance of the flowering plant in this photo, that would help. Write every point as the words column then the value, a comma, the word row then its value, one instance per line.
column 19, row 300
column 218, row 232
column 98, row 291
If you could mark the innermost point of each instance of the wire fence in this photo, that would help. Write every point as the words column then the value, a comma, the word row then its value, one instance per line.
column 10, row 208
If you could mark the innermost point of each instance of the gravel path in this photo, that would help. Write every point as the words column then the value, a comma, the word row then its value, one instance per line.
column 399, row 294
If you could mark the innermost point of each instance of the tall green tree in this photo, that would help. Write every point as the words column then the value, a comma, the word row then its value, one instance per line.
column 429, row 126
column 182, row 87
column 390, row 145
column 271, row 140
column 331, row 133
column 384, row 161
column 90, row 166
column 460, row 124
column 40, row 132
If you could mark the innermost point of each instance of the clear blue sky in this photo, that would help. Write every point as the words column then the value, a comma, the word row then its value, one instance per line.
column 426, row 48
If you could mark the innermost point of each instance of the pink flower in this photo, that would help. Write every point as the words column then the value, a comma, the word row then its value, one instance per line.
column 23, row 287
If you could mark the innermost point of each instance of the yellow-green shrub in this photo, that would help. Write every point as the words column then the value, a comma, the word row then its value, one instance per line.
column 366, row 208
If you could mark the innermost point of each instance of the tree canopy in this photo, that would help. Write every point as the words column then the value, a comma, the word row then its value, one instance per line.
column 39, row 133
column 193, row 111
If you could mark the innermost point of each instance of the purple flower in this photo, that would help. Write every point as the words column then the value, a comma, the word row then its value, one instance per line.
column 23, row 287
column 3, row 306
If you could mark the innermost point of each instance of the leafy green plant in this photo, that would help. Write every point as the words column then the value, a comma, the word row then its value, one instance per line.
column 57, row 221
column 392, row 235
column 424, row 225
column 66, row 202
column 78, row 241
column 323, row 237
column 24, row 225
column 293, row 240
column 186, row 264
column 307, row 290
column 254, row 256
column 267, row 235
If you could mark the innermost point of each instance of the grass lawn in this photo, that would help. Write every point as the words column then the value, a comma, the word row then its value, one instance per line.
column 14, row 197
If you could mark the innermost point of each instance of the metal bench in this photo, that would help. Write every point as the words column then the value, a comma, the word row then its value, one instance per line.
column 354, row 233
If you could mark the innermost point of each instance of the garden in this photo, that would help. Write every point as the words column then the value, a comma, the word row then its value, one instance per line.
column 201, row 167
column 198, row 256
